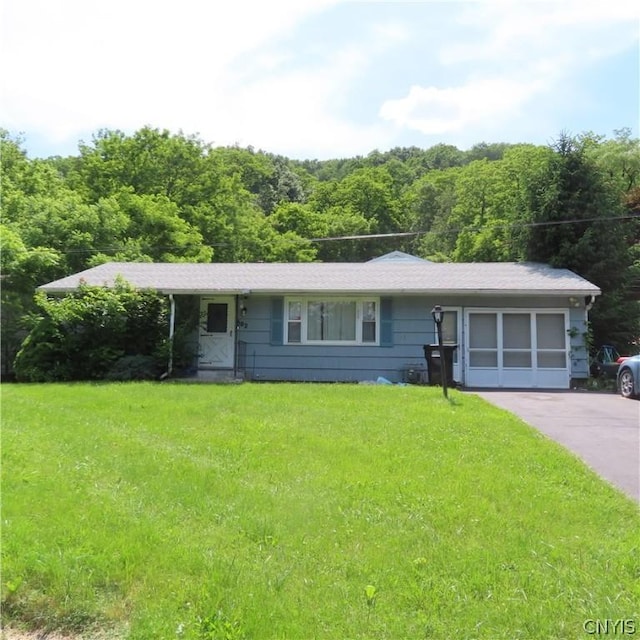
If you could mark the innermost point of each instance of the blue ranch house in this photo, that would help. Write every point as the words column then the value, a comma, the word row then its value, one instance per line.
column 516, row 325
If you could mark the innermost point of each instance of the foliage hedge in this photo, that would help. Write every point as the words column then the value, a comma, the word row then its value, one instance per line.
column 158, row 197
column 95, row 333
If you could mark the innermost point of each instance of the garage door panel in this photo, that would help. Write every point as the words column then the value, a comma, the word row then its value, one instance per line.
column 516, row 359
column 551, row 360
column 516, row 348
column 550, row 331
column 517, row 378
column 516, row 331
column 483, row 331
column 483, row 359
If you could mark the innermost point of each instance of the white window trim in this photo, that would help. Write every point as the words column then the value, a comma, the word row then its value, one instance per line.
column 305, row 300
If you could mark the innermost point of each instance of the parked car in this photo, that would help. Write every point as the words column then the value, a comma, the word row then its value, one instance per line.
column 606, row 362
column 629, row 377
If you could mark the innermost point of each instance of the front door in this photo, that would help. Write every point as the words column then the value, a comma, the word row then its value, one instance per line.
column 217, row 326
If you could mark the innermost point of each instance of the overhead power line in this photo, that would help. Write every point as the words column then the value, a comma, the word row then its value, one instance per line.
column 376, row 236
column 473, row 229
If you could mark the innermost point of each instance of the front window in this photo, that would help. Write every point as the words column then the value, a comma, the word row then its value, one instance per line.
column 332, row 320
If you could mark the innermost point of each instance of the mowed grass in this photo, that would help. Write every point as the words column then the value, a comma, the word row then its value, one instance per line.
column 273, row 511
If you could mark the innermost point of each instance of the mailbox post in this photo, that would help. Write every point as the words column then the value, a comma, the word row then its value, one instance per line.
column 436, row 312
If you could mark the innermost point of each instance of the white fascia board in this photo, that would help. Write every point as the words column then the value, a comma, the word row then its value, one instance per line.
column 203, row 292
column 359, row 292
column 381, row 292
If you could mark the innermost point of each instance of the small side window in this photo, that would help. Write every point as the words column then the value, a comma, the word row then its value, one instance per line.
column 294, row 322
column 368, row 321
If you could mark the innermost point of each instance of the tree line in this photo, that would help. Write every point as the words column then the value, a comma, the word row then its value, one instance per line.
column 159, row 196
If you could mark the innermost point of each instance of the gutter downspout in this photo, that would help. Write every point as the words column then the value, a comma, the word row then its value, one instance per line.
column 172, row 323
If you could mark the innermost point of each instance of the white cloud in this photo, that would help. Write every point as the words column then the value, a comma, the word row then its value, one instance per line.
column 510, row 56
column 515, row 30
column 435, row 111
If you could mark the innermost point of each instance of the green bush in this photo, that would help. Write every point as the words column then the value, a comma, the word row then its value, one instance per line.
column 83, row 335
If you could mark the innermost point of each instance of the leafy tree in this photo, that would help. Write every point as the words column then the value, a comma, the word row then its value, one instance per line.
column 331, row 170
column 300, row 219
column 254, row 172
column 24, row 264
column 84, row 335
column 485, row 151
column 618, row 161
column 22, row 270
column 618, row 158
column 492, row 208
column 334, row 217
column 365, row 202
column 429, row 203
column 288, row 185
column 150, row 162
column 474, row 214
column 444, row 156
column 161, row 233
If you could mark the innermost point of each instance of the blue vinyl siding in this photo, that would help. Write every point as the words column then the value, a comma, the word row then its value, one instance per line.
column 267, row 358
column 579, row 352
column 405, row 326
column 386, row 322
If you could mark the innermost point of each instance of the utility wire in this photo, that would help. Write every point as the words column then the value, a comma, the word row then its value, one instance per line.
column 401, row 234
column 475, row 229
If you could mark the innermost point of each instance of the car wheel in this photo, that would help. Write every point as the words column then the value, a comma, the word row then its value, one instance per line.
column 626, row 384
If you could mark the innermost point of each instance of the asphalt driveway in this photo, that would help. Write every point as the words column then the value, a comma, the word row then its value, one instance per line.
column 601, row 428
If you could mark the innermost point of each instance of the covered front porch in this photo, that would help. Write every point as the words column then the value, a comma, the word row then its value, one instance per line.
column 205, row 337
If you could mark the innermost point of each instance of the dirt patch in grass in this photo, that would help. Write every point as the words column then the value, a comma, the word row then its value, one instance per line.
column 9, row 633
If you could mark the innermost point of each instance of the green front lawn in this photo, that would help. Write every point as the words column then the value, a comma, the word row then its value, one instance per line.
column 273, row 511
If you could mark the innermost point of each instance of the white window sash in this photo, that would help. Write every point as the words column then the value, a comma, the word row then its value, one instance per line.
column 360, row 304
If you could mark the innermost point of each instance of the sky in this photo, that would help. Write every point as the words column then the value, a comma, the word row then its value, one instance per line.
column 318, row 78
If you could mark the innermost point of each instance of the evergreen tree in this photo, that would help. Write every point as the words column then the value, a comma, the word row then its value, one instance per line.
column 578, row 226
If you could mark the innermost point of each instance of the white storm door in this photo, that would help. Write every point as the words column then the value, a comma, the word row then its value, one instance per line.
column 452, row 334
column 217, row 327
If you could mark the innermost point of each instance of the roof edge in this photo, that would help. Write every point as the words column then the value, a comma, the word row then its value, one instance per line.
column 566, row 293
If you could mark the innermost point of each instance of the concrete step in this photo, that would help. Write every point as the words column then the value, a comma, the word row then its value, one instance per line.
column 221, row 375
column 211, row 376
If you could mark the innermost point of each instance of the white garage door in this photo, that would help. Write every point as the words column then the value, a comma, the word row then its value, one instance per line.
column 517, row 348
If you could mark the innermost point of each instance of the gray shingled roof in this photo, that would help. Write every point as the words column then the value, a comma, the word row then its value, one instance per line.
column 380, row 277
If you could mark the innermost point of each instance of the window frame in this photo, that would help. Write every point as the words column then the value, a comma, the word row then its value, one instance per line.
column 304, row 301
